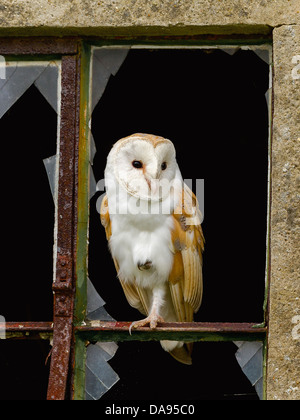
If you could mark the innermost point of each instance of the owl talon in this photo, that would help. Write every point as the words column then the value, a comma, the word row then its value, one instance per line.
column 154, row 320
column 151, row 320
column 131, row 326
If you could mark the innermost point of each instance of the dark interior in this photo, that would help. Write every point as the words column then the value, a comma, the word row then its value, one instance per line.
column 212, row 106
column 24, row 367
column 28, row 133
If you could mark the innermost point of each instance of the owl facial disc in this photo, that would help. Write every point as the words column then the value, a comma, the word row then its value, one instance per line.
column 145, row 166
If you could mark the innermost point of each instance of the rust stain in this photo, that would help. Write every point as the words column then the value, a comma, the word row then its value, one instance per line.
column 63, row 286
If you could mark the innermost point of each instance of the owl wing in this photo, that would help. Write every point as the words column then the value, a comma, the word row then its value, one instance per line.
column 185, row 280
column 135, row 296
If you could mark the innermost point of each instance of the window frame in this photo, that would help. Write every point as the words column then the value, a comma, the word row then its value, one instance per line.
column 69, row 329
column 61, row 329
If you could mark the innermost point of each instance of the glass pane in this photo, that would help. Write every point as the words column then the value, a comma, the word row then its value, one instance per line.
column 28, row 130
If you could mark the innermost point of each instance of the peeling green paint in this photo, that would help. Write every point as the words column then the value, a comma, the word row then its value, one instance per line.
column 83, row 218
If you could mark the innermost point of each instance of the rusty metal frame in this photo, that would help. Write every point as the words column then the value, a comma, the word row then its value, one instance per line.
column 28, row 330
column 38, row 46
column 187, row 331
column 64, row 285
column 67, row 328
column 61, row 329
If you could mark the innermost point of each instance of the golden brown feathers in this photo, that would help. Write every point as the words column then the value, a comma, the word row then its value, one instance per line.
column 185, row 279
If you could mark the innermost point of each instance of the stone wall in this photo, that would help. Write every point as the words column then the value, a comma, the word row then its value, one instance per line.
column 108, row 17
column 284, row 335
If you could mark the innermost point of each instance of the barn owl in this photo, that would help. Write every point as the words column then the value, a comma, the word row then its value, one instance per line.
column 152, row 223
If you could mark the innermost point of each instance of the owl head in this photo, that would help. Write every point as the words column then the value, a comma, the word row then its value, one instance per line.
column 144, row 165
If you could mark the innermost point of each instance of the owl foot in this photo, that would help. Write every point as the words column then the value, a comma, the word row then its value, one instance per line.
column 152, row 320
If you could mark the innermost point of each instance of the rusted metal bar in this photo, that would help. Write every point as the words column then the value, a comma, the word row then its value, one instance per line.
column 194, row 331
column 38, row 46
column 63, row 285
column 27, row 330
column 201, row 39
column 175, row 326
column 28, row 326
column 69, row 45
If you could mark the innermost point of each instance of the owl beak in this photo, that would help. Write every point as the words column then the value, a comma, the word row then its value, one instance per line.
column 153, row 184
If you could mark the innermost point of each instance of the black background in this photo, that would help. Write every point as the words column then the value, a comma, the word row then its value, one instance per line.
column 212, row 106
column 28, row 135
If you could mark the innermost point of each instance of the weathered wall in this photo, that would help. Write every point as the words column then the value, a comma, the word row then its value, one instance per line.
column 194, row 17
column 145, row 17
column 284, row 335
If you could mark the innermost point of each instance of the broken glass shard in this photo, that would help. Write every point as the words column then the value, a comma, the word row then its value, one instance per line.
column 47, row 83
column 267, row 96
column 93, row 184
column 263, row 54
column 18, row 80
column 19, row 76
column 111, row 58
column 250, row 358
column 94, row 300
column 230, row 50
column 100, row 376
column 99, row 314
column 93, row 149
column 93, row 386
column 106, row 62
column 95, row 305
column 110, row 348
column 50, row 166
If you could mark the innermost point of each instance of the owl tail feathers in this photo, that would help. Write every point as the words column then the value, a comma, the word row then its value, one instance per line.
column 183, row 354
column 179, row 350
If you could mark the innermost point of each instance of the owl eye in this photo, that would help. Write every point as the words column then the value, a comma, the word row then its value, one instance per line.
column 164, row 166
column 137, row 164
